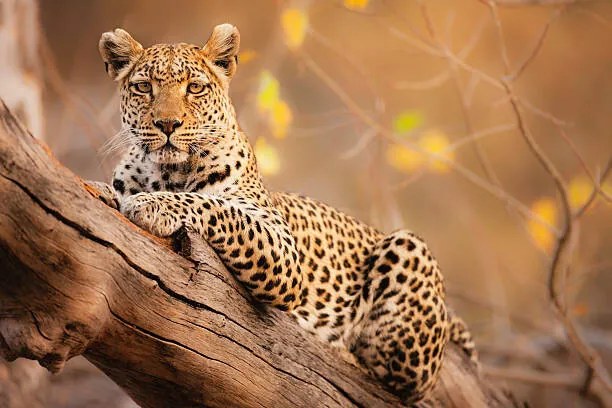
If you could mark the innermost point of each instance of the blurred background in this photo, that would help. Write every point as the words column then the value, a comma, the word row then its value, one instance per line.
column 434, row 116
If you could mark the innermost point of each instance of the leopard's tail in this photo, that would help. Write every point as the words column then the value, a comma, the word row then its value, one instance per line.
column 460, row 335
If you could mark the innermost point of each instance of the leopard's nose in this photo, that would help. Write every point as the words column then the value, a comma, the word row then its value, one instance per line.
column 168, row 126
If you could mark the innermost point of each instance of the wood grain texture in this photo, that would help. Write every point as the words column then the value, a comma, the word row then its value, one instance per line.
column 76, row 278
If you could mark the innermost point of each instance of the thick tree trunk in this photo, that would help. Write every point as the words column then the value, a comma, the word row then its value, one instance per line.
column 78, row 278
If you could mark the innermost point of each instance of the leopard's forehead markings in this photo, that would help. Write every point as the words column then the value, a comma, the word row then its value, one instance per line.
column 173, row 63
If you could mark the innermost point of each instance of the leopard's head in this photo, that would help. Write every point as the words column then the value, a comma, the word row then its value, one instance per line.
column 174, row 97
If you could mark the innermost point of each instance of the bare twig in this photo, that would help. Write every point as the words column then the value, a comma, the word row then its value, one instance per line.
column 472, row 137
column 538, row 45
column 425, row 84
column 574, row 150
column 597, row 190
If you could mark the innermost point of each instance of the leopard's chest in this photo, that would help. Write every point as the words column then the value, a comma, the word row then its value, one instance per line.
column 210, row 180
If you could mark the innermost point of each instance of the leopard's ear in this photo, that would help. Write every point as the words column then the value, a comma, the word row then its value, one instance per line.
column 222, row 48
column 119, row 52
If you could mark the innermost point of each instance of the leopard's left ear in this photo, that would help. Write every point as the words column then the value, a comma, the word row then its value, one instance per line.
column 222, row 48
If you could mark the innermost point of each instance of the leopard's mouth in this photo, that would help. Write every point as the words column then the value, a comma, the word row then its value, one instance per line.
column 168, row 154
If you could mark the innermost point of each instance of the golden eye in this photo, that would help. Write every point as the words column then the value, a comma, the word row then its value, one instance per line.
column 195, row 88
column 142, row 87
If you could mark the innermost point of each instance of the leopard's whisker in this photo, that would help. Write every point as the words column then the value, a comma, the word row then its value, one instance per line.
column 121, row 139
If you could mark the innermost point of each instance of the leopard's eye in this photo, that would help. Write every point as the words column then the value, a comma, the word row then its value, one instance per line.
column 196, row 88
column 142, row 87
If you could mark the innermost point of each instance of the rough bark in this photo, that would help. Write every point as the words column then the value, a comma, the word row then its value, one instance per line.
column 78, row 278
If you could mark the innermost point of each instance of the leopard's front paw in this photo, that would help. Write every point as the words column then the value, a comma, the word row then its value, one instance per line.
column 103, row 192
column 152, row 213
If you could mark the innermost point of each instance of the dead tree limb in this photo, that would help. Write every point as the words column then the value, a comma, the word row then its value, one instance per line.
column 78, row 278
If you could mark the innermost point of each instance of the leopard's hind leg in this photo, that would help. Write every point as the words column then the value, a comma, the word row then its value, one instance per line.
column 401, row 324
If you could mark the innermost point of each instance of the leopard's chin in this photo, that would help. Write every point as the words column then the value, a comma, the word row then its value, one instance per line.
column 168, row 155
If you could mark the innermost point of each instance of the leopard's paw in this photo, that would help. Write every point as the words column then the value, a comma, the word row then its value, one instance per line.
column 152, row 213
column 103, row 192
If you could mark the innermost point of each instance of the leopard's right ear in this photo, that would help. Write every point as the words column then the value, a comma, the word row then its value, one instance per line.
column 119, row 52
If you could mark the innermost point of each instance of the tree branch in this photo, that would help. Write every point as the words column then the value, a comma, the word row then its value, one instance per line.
column 78, row 278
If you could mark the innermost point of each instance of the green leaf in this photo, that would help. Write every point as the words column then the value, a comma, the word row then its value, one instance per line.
column 407, row 121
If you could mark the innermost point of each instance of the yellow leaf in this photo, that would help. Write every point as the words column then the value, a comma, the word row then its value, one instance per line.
column 268, row 94
column 267, row 157
column 247, row 56
column 294, row 23
column 403, row 158
column 356, row 4
column 436, row 143
column 275, row 110
column 543, row 237
column 579, row 191
column 280, row 119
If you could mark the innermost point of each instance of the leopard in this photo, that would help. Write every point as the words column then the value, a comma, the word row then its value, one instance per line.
column 187, row 164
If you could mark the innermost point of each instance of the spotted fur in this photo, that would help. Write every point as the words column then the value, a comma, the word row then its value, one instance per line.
column 188, row 164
